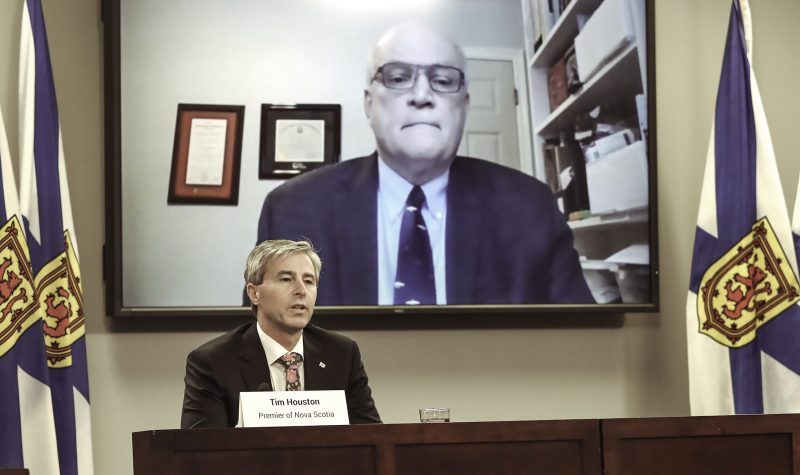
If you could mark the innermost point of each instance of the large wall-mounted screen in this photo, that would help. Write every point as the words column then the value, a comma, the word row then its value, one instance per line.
column 547, row 207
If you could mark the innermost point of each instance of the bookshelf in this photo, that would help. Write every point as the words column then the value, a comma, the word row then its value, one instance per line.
column 551, row 27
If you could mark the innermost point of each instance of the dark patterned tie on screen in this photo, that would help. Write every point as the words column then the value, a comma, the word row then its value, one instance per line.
column 414, row 283
column 291, row 363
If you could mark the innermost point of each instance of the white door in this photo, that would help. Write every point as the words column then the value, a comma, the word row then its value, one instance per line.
column 491, row 129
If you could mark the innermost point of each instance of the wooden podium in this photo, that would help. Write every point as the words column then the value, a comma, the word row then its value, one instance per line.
column 729, row 445
column 726, row 445
column 540, row 447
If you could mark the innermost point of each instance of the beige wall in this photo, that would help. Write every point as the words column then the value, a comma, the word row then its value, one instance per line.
column 637, row 369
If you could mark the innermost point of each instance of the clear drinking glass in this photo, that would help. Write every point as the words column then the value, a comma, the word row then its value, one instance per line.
column 434, row 414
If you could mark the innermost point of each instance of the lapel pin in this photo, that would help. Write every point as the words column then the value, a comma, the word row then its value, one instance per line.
column 321, row 364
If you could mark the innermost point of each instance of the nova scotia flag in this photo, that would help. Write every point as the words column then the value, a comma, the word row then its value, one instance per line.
column 47, row 216
column 743, row 321
column 27, row 426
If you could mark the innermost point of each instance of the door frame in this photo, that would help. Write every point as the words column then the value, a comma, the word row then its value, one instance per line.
column 517, row 59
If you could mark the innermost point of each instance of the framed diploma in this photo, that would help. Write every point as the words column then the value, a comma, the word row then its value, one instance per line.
column 206, row 155
column 298, row 138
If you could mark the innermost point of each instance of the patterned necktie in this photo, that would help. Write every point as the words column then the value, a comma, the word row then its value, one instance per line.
column 291, row 363
column 414, row 283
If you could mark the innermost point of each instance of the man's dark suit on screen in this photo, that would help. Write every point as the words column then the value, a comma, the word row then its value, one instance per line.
column 219, row 370
column 506, row 241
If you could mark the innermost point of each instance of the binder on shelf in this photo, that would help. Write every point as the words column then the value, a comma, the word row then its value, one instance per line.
column 631, row 267
column 633, row 282
column 601, row 281
column 557, row 84
column 565, row 173
column 604, row 175
column 606, row 33
column 573, row 77
column 641, row 112
column 551, row 170
column 535, row 22
column 547, row 18
column 556, row 8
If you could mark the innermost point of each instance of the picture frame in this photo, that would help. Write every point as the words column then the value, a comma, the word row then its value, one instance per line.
column 206, row 155
column 298, row 138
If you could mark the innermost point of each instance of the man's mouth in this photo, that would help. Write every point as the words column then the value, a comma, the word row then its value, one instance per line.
column 299, row 306
column 415, row 124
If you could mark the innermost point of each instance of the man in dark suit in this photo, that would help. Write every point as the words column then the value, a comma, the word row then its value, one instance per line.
column 282, row 278
column 470, row 231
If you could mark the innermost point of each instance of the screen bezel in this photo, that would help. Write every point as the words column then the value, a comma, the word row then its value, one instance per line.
column 401, row 316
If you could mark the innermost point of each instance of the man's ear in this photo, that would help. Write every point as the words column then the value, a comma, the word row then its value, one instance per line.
column 367, row 102
column 252, row 293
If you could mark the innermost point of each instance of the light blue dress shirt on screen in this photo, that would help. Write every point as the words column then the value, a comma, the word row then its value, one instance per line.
column 393, row 191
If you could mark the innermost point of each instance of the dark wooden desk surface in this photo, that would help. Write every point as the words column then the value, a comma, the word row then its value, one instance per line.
column 726, row 445
column 536, row 447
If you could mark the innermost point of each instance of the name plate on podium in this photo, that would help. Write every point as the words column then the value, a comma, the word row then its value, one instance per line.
column 292, row 408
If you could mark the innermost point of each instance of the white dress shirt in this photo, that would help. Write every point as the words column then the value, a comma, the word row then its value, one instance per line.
column 274, row 351
column 393, row 192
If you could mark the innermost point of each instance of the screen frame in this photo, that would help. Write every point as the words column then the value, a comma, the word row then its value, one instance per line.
column 458, row 316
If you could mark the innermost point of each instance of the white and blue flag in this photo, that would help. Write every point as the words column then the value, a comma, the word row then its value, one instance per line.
column 743, row 322
column 47, row 218
column 27, row 426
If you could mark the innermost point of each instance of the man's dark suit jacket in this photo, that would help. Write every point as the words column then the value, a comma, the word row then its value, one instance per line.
column 506, row 241
column 219, row 370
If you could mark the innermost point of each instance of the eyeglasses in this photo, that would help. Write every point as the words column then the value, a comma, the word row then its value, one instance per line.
column 403, row 76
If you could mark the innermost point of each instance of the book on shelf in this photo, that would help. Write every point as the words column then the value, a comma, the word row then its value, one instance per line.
column 565, row 173
column 546, row 18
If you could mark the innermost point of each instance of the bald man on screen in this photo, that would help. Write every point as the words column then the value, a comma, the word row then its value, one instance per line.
column 415, row 224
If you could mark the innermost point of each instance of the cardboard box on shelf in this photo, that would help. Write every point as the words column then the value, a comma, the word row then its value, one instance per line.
column 605, row 175
column 608, row 31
